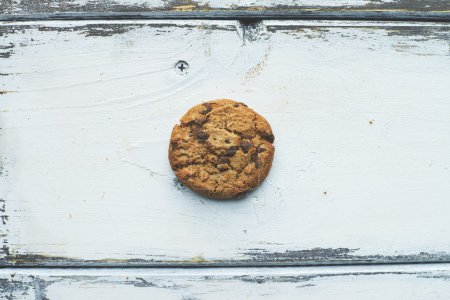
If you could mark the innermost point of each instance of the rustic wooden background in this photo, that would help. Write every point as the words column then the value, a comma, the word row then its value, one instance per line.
column 357, row 92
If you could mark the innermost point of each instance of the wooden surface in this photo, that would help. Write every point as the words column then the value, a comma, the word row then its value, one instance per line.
column 56, row 6
column 328, row 9
column 381, row 282
column 360, row 111
column 361, row 175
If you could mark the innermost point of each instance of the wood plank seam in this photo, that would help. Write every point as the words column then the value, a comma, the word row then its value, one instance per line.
column 413, row 16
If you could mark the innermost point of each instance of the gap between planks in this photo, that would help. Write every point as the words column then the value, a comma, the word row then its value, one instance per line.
column 243, row 16
column 168, row 22
column 204, row 271
column 319, row 266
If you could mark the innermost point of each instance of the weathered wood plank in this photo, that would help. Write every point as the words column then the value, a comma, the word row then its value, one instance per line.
column 393, row 282
column 298, row 7
column 360, row 111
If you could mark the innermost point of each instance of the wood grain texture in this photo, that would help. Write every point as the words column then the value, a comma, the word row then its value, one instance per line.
column 360, row 111
column 393, row 282
column 299, row 7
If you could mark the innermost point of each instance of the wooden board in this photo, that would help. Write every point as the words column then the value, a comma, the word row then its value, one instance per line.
column 434, row 9
column 393, row 282
column 360, row 112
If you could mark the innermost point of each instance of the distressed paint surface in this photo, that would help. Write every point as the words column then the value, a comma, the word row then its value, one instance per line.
column 211, row 6
column 359, row 110
column 392, row 282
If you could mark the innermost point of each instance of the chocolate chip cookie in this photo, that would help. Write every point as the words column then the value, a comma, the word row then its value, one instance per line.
column 221, row 149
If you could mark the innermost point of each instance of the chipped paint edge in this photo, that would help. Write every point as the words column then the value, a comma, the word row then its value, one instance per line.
column 52, row 6
column 18, row 282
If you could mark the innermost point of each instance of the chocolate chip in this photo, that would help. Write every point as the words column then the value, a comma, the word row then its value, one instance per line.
column 203, row 136
column 227, row 141
column 198, row 121
column 201, row 121
column 223, row 160
column 223, row 167
column 207, row 109
column 267, row 136
column 231, row 151
column 260, row 149
column 243, row 104
column 174, row 145
column 236, row 105
column 200, row 134
column 255, row 159
column 245, row 145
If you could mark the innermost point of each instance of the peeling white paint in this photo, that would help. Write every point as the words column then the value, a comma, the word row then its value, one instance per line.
column 363, row 282
column 53, row 6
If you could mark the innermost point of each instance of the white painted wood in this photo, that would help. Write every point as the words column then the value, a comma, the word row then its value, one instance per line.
column 360, row 112
column 101, row 6
column 381, row 282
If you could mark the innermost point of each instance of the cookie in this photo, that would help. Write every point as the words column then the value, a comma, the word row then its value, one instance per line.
column 221, row 149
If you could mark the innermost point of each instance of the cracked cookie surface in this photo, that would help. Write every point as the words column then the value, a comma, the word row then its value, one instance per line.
column 221, row 149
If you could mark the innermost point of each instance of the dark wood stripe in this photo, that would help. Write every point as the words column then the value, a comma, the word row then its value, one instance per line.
column 245, row 16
